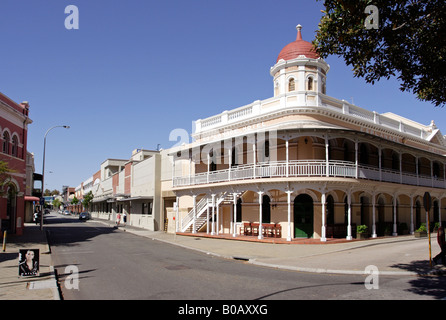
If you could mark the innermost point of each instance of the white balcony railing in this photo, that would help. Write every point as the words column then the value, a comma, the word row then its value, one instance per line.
column 273, row 104
column 307, row 168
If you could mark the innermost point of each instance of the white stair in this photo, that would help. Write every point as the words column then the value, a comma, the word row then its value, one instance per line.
column 202, row 206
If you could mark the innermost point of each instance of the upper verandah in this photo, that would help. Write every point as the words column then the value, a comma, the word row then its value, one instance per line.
column 316, row 102
column 299, row 78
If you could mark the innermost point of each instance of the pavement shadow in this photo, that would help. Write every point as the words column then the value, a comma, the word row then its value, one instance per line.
column 82, row 274
column 432, row 286
column 425, row 284
column 70, row 232
column 5, row 256
column 418, row 266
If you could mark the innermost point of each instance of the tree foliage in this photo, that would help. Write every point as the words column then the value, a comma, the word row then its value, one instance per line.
column 5, row 176
column 57, row 203
column 87, row 200
column 75, row 200
column 48, row 192
column 409, row 43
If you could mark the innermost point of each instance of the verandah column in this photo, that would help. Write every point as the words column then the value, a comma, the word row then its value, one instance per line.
column 356, row 160
column 209, row 164
column 323, row 236
column 234, row 229
column 260, row 214
column 374, row 235
column 327, row 157
column 380, row 164
column 213, row 214
column 207, row 216
column 288, row 238
column 218, row 219
column 229, row 163
column 287, row 158
column 395, row 232
column 194, row 197
column 254, row 161
column 411, row 215
column 349, row 216
column 177, row 213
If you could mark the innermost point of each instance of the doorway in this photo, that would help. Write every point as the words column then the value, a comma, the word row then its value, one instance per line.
column 303, row 216
column 9, row 224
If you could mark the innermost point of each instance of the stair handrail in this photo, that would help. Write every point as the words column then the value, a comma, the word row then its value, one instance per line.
column 188, row 219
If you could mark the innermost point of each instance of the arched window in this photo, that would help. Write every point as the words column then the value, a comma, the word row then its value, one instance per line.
column 436, row 211
column 395, row 161
column 364, row 210
column 291, row 85
column 234, row 157
column 436, row 170
column 6, row 142
column 15, row 146
column 245, row 150
column 346, row 152
column 266, row 153
column 266, row 209
column 330, row 210
column 238, row 217
column 310, row 83
column 417, row 214
column 363, row 154
column 212, row 165
column 381, row 221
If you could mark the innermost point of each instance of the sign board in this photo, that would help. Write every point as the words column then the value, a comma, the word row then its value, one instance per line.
column 427, row 201
column 42, row 201
column 29, row 262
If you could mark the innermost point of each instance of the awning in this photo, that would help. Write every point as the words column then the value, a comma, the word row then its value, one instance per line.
column 136, row 198
column 31, row 198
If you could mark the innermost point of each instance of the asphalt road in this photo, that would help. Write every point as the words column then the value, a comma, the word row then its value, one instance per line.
column 116, row 265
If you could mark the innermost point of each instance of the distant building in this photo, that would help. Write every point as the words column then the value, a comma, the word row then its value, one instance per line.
column 67, row 195
column 132, row 187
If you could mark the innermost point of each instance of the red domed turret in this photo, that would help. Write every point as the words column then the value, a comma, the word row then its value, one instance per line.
column 298, row 48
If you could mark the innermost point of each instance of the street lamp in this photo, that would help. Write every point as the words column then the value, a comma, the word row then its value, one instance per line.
column 43, row 169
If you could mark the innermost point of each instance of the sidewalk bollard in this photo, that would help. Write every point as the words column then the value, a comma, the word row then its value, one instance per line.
column 4, row 241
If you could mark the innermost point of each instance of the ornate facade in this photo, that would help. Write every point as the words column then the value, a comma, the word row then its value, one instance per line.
column 302, row 164
column 14, row 121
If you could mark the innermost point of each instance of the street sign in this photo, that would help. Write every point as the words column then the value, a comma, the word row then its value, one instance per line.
column 42, row 201
column 427, row 201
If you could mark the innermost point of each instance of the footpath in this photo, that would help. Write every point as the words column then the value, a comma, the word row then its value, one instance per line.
column 395, row 256
column 14, row 287
column 400, row 256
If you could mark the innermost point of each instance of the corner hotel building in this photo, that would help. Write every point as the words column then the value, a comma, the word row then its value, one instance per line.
column 307, row 165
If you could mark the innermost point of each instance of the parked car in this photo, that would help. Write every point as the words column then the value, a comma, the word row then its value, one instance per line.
column 84, row 216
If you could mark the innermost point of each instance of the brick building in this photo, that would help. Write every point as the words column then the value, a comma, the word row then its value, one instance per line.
column 14, row 120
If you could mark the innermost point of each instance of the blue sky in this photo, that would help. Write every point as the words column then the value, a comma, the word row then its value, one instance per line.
column 137, row 69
